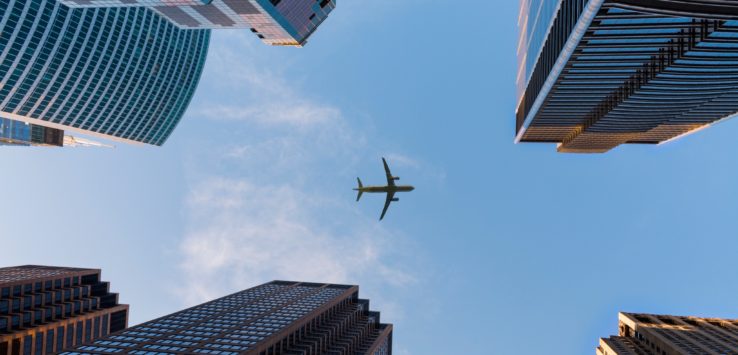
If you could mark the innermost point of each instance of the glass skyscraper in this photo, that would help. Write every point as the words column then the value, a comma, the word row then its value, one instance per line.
column 25, row 134
column 276, row 22
column 595, row 74
column 121, row 73
column 45, row 309
column 280, row 317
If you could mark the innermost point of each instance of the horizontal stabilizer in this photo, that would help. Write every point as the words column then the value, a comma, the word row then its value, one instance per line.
column 358, row 196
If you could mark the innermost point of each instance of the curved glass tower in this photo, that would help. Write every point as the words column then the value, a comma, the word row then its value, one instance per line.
column 595, row 74
column 124, row 73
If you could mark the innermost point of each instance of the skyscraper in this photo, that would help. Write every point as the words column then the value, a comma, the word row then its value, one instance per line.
column 594, row 74
column 120, row 73
column 646, row 334
column 279, row 317
column 24, row 134
column 44, row 309
column 276, row 22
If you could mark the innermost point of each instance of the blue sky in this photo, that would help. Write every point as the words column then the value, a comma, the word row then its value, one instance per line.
column 501, row 249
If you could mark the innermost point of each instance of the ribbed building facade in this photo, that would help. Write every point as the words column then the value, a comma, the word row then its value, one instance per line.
column 280, row 317
column 45, row 309
column 595, row 74
column 647, row 334
column 125, row 74
column 275, row 22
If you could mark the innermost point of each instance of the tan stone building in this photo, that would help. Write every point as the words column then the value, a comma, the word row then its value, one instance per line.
column 646, row 334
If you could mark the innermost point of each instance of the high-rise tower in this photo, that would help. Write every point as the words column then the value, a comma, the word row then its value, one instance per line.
column 120, row 73
column 594, row 74
column 276, row 22
column 45, row 309
column 279, row 317
column 646, row 334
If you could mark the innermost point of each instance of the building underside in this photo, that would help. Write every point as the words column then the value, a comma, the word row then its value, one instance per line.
column 647, row 334
column 643, row 72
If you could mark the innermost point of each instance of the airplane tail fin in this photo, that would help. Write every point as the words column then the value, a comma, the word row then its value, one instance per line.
column 358, row 196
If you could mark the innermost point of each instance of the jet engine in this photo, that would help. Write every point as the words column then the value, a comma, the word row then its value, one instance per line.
column 395, row 199
column 395, row 178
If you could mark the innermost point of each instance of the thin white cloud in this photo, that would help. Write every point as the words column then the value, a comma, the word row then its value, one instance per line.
column 270, row 205
column 245, row 234
column 402, row 160
column 297, row 114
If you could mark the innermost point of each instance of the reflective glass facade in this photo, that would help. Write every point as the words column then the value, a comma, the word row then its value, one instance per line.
column 123, row 73
column 280, row 317
column 276, row 22
column 613, row 72
column 534, row 22
column 45, row 309
column 19, row 133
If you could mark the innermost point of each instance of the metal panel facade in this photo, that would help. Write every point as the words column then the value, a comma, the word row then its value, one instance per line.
column 282, row 23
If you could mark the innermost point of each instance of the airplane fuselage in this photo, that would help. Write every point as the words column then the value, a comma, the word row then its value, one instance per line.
column 385, row 189
column 390, row 189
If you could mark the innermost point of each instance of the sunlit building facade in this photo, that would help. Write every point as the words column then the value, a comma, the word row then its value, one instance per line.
column 124, row 74
column 275, row 22
column 647, row 334
column 279, row 317
column 45, row 309
column 595, row 74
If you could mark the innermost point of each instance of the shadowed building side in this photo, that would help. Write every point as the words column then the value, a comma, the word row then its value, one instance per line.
column 612, row 72
column 45, row 309
column 124, row 74
column 280, row 317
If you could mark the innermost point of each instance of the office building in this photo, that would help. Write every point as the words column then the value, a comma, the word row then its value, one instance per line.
column 124, row 74
column 646, row 334
column 25, row 134
column 276, row 22
column 595, row 74
column 279, row 317
column 45, row 309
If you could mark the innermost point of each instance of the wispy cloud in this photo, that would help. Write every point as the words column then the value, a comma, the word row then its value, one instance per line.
column 244, row 234
column 402, row 160
column 296, row 113
column 266, row 206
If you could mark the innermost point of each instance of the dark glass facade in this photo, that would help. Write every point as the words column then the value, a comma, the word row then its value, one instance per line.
column 650, row 334
column 612, row 72
column 275, row 22
column 25, row 134
column 45, row 309
column 280, row 317
column 121, row 73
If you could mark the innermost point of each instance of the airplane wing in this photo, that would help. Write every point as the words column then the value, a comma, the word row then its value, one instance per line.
column 390, row 178
column 390, row 196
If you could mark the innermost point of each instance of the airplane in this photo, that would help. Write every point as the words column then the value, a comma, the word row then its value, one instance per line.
column 390, row 189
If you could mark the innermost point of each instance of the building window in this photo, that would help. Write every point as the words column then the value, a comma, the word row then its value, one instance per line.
column 50, row 341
